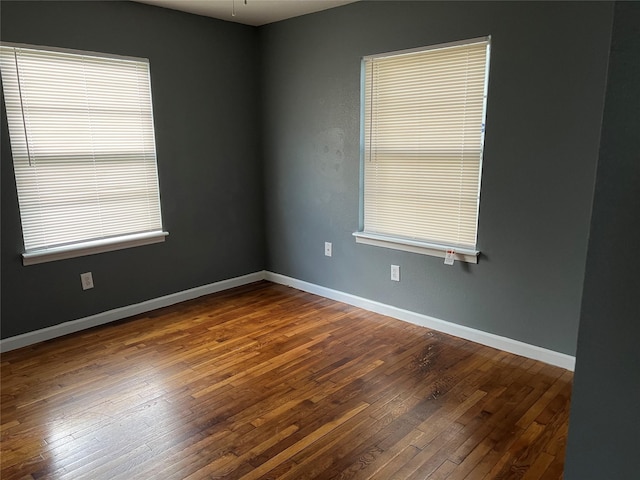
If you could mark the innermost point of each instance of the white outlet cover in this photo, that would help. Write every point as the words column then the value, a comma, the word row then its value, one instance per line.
column 87, row 280
column 327, row 249
column 395, row 273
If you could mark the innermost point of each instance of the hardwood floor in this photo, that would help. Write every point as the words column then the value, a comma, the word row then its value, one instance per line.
column 266, row 382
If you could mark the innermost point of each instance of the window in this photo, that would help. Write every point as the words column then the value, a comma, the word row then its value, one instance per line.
column 82, row 138
column 422, row 135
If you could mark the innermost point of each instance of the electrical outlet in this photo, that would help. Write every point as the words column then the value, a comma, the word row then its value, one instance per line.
column 87, row 280
column 327, row 249
column 395, row 273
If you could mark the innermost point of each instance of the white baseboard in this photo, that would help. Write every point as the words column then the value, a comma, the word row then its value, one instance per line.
column 478, row 336
column 73, row 326
column 502, row 343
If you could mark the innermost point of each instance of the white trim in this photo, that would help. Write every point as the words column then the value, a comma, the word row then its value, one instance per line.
column 439, row 46
column 414, row 246
column 86, row 53
column 503, row 343
column 92, row 247
column 73, row 326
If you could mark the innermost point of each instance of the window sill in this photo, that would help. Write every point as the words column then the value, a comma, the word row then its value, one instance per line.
column 90, row 248
column 414, row 246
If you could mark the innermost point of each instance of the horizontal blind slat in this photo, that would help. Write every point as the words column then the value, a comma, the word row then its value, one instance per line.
column 423, row 131
column 86, row 165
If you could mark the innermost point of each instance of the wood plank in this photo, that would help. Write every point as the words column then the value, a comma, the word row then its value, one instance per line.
column 264, row 381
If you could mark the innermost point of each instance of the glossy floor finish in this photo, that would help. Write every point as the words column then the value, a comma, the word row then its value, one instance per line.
column 265, row 382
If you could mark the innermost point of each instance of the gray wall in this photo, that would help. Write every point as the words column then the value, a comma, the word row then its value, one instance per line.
column 206, row 106
column 246, row 117
column 546, row 91
column 605, row 407
column 546, row 98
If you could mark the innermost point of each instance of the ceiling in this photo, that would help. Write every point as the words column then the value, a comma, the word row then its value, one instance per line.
column 249, row 12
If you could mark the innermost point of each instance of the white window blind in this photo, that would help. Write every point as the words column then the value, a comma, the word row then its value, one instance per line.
column 423, row 138
column 82, row 138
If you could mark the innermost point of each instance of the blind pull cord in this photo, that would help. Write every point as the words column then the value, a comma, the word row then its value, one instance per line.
column 24, row 122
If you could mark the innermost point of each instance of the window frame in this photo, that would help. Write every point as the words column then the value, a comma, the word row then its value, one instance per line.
column 465, row 253
column 104, row 242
